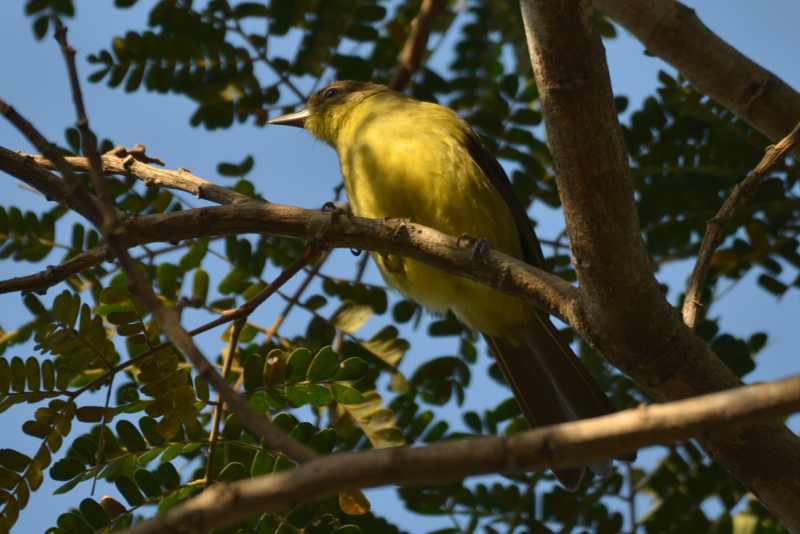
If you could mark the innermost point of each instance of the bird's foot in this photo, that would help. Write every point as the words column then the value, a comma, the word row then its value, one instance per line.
column 480, row 246
column 336, row 209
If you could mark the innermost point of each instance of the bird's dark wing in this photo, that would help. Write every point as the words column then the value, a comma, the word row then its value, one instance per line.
column 550, row 382
column 532, row 249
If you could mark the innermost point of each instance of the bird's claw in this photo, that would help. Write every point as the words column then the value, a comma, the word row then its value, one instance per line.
column 480, row 246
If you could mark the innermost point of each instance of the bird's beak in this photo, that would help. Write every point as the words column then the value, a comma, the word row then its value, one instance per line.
column 298, row 118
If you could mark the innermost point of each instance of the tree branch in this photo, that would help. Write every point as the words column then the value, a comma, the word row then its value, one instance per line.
column 627, row 318
column 168, row 319
column 416, row 44
column 55, row 274
column 558, row 446
column 331, row 229
column 673, row 32
column 133, row 162
column 714, row 234
column 74, row 194
column 233, row 344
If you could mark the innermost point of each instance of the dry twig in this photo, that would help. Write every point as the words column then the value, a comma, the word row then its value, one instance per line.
column 715, row 230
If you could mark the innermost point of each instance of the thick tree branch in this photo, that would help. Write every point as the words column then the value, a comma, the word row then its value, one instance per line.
column 627, row 317
column 558, row 446
column 672, row 31
column 397, row 236
column 74, row 194
column 593, row 176
column 714, row 234
column 332, row 229
column 40, row 179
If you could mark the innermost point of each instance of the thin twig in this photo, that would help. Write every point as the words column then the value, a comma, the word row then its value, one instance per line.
column 294, row 299
column 134, row 161
column 361, row 268
column 226, row 369
column 739, row 196
column 631, row 498
column 247, row 308
column 416, row 44
column 88, row 140
column 75, row 194
column 101, row 437
column 54, row 274
column 168, row 318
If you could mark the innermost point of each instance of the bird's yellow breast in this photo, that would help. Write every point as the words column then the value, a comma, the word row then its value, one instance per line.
column 408, row 159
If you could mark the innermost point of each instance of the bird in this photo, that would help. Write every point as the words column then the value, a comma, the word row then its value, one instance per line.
column 420, row 161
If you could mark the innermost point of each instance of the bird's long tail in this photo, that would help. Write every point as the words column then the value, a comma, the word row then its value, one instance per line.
column 550, row 384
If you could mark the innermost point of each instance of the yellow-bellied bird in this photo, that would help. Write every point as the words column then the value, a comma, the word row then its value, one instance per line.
column 401, row 157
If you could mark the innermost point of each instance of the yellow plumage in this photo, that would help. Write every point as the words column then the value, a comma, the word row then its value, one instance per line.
column 420, row 161
column 405, row 158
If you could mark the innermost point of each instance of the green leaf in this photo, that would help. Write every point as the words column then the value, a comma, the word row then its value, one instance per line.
column 253, row 372
column 324, row 365
column 200, row 286
column 404, row 310
column 14, row 460
column 233, row 471
column 377, row 421
column 345, row 394
column 8, row 478
column 127, row 488
column 5, row 376
column 263, row 463
column 94, row 513
column 130, row 436
column 298, row 394
column 66, row 469
column 168, row 276
column 149, row 428
column 387, row 346
column 193, row 258
column 168, row 476
column 236, row 170
column 297, row 365
column 40, row 25
column 147, row 482
column 351, row 368
column 35, row 429
column 350, row 317
column 18, row 373
column 114, row 294
column 48, row 375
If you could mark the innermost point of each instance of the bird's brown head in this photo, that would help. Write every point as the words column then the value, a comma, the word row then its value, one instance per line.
column 328, row 107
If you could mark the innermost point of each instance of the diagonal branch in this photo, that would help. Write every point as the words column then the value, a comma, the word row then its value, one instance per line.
column 417, row 43
column 114, row 232
column 558, row 446
column 741, row 195
column 628, row 319
column 74, row 194
column 55, row 274
column 332, row 229
column 123, row 162
column 672, row 31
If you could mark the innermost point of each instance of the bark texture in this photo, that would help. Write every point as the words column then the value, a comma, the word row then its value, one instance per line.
column 626, row 316
column 674, row 32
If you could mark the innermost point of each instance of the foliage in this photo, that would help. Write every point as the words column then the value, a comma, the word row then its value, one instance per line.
column 686, row 151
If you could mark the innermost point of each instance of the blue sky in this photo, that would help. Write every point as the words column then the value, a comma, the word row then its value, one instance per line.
column 291, row 168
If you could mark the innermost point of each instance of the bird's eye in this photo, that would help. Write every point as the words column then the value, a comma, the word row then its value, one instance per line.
column 330, row 93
